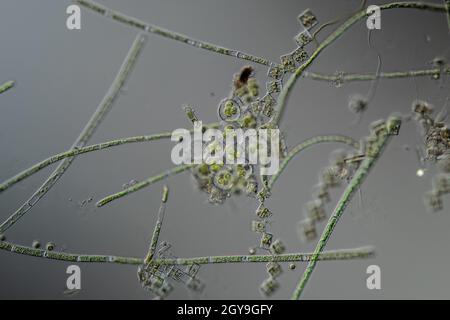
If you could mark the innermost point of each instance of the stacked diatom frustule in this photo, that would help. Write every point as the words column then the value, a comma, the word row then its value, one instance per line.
column 289, row 63
column 157, row 278
column 342, row 166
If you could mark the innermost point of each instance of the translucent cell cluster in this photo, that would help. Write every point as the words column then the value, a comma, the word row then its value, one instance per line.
column 343, row 165
column 242, row 109
column 436, row 139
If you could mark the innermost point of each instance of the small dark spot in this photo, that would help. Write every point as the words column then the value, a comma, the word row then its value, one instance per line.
column 243, row 76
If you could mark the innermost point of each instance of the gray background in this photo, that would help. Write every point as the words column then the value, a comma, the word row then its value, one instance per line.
column 62, row 75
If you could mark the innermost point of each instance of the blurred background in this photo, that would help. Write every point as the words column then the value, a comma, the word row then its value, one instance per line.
column 61, row 75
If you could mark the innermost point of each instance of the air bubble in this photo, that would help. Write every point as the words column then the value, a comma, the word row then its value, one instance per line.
column 420, row 172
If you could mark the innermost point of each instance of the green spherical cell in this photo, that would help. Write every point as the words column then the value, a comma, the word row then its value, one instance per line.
column 224, row 180
column 203, row 169
column 229, row 109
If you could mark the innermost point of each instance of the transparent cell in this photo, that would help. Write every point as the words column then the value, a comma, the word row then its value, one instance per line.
column 288, row 63
column 224, row 179
column 274, row 269
column 255, row 108
column 165, row 290
column 444, row 162
column 322, row 193
column 433, row 201
column 315, row 211
column 177, row 274
column 268, row 102
column 263, row 212
column 300, row 55
column 192, row 269
column 441, row 184
column 217, row 196
column 307, row 230
column 277, row 247
column 262, row 196
column 196, row 285
column 303, row 38
column 307, row 19
column 251, row 187
column 275, row 72
column 266, row 240
column 258, row 226
column 269, row 286
column 329, row 178
column 273, row 86
column 163, row 249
